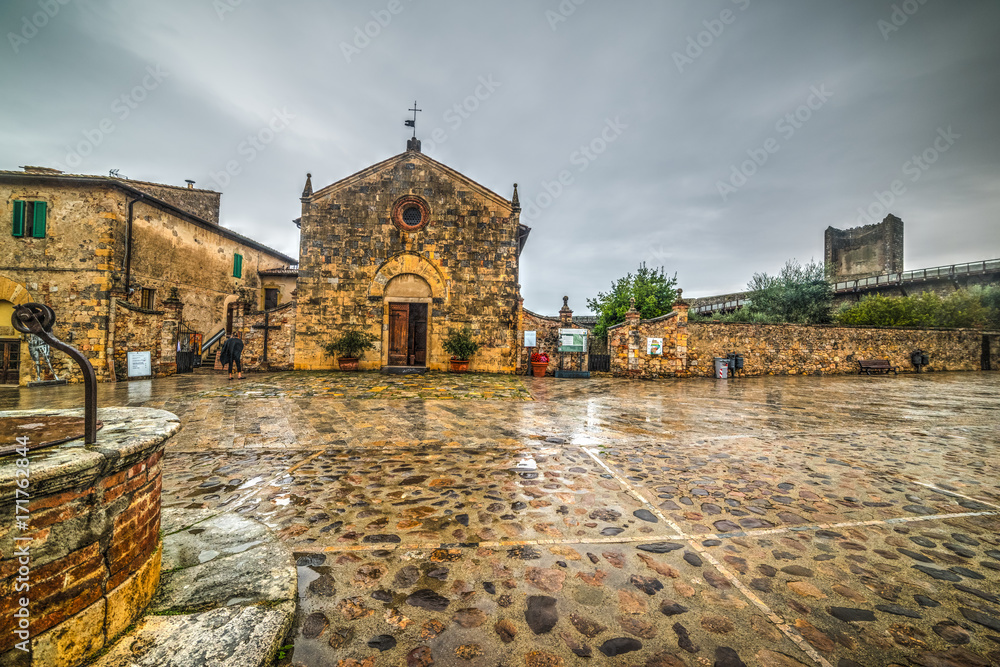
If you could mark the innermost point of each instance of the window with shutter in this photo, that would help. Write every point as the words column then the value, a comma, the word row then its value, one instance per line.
column 237, row 266
column 18, row 228
column 29, row 219
column 38, row 220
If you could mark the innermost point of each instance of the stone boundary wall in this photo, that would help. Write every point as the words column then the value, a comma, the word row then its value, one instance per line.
column 546, row 338
column 793, row 349
column 280, row 343
column 627, row 346
column 94, row 524
column 138, row 330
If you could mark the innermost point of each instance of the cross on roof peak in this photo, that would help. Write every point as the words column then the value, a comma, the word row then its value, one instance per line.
column 413, row 123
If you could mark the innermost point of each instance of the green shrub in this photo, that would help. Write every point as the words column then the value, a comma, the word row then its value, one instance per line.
column 351, row 344
column 965, row 308
column 459, row 344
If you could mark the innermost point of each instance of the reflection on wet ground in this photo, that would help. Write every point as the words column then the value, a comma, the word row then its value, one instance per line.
column 453, row 520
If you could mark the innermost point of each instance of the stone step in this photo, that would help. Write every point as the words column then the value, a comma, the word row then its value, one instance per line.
column 240, row 577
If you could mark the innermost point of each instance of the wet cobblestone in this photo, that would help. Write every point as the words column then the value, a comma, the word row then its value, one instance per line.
column 773, row 521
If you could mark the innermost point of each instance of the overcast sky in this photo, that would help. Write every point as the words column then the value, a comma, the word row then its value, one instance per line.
column 716, row 138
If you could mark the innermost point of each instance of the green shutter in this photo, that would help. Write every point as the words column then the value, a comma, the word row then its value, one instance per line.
column 38, row 224
column 18, row 229
column 237, row 265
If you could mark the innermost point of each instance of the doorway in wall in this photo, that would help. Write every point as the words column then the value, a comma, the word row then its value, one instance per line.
column 407, row 334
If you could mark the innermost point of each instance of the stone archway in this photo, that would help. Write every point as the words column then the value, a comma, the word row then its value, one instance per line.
column 13, row 350
column 415, row 264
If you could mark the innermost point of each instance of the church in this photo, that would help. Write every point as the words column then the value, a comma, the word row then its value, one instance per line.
column 409, row 250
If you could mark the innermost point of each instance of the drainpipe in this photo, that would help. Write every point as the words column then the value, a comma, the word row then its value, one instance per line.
column 128, row 248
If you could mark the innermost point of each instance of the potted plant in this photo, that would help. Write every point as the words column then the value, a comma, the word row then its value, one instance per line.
column 460, row 346
column 539, row 364
column 349, row 347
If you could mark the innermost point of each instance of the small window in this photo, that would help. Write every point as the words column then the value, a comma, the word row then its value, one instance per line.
column 270, row 298
column 148, row 298
column 237, row 265
column 412, row 216
column 29, row 219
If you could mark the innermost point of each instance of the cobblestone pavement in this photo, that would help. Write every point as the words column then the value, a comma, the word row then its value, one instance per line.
column 764, row 521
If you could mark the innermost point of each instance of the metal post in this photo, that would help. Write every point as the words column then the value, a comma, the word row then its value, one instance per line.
column 37, row 319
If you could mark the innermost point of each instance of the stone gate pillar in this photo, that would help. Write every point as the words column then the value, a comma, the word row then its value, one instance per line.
column 172, row 317
column 632, row 319
column 681, row 307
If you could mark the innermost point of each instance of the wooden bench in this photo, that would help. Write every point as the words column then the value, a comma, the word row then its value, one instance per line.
column 878, row 365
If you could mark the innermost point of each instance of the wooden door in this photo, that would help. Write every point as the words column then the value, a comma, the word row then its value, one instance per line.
column 399, row 316
column 230, row 311
column 10, row 356
column 416, row 348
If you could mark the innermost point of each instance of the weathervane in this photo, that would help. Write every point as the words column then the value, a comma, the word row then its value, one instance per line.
column 413, row 123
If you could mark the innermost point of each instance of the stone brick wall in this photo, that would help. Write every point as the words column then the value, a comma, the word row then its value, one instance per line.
column 94, row 541
column 547, row 338
column 865, row 251
column 201, row 203
column 792, row 349
column 627, row 345
column 172, row 252
column 280, row 343
column 350, row 250
column 79, row 265
column 138, row 330
column 67, row 270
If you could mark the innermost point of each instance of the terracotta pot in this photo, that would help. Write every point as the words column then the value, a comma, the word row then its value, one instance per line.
column 348, row 363
column 459, row 365
column 538, row 368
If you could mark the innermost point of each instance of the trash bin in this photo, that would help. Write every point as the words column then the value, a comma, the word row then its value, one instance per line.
column 721, row 368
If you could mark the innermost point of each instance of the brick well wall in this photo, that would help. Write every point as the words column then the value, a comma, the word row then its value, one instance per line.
column 94, row 548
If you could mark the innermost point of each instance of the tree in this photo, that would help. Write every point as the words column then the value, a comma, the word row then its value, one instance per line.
column 653, row 291
column 798, row 294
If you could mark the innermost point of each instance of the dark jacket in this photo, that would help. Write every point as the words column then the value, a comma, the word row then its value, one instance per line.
column 231, row 350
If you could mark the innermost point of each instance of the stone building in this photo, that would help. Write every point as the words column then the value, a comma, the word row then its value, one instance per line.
column 409, row 250
column 124, row 264
column 860, row 252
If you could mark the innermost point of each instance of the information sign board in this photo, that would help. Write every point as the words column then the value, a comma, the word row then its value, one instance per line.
column 572, row 340
column 139, row 364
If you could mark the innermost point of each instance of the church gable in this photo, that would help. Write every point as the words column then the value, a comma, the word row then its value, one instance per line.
column 397, row 166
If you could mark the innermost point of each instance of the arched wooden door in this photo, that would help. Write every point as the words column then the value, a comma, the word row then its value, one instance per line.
column 407, row 334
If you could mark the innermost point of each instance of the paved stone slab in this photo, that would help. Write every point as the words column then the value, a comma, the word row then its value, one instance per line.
column 261, row 574
column 215, row 536
column 240, row 636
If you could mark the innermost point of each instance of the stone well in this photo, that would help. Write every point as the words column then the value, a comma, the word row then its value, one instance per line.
column 94, row 529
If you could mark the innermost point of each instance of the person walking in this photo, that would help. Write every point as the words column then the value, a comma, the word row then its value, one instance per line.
column 231, row 353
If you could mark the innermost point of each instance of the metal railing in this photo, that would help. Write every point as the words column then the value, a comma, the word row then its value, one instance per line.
column 212, row 341
column 721, row 306
column 968, row 269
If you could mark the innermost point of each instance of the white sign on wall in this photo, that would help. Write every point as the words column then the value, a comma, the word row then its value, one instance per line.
column 140, row 364
column 529, row 339
column 654, row 346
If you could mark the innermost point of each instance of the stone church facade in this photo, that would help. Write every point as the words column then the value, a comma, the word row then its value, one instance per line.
column 409, row 250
